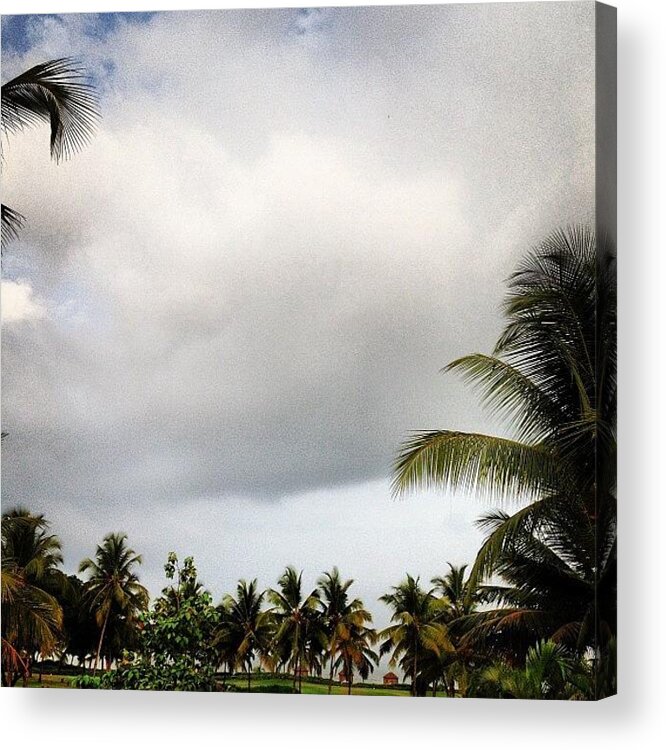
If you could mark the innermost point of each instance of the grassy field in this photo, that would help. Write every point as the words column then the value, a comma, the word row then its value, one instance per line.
column 311, row 687
column 48, row 681
column 260, row 683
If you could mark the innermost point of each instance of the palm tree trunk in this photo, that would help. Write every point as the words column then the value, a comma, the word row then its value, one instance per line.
column 414, row 671
column 101, row 638
column 249, row 677
column 349, row 682
column 330, row 674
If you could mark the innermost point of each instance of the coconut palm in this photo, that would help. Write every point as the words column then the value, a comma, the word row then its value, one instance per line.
column 417, row 628
column 246, row 630
column 355, row 652
column 459, row 598
column 340, row 615
column 31, row 582
column 57, row 93
column 555, row 589
column 113, row 588
column 552, row 377
column 299, row 628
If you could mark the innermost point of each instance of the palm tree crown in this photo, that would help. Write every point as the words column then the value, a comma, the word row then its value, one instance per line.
column 113, row 588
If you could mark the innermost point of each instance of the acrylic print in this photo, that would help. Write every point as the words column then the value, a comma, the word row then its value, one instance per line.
column 308, row 351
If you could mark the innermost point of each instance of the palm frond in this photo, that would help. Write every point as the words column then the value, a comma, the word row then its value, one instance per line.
column 496, row 467
column 508, row 392
column 56, row 92
column 12, row 223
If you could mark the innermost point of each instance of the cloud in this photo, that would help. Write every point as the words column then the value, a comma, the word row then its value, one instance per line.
column 19, row 303
column 256, row 269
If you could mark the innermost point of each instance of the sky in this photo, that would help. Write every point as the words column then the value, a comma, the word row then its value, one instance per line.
column 226, row 312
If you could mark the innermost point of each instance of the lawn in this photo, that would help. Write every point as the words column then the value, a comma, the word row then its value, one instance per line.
column 312, row 687
column 260, row 683
column 48, row 681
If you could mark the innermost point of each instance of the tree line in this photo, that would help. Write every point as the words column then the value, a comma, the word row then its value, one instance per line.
column 102, row 621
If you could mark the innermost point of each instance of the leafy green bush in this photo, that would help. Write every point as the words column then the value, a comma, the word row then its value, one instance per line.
column 87, row 682
column 174, row 650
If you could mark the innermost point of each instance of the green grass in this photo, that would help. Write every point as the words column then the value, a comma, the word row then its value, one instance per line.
column 262, row 683
column 48, row 681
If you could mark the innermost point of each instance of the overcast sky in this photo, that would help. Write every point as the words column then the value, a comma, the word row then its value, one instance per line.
column 225, row 313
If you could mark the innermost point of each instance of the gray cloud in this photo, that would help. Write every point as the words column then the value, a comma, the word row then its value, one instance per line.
column 285, row 226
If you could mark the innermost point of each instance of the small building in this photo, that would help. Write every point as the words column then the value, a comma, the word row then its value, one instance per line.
column 390, row 678
column 302, row 672
column 342, row 677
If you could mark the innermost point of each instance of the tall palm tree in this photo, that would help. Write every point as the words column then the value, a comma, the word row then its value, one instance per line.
column 459, row 598
column 245, row 631
column 58, row 93
column 417, row 628
column 356, row 653
column 298, row 623
column 552, row 377
column 31, row 582
column 113, row 588
column 340, row 614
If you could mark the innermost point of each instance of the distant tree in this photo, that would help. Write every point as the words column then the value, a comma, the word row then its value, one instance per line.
column 245, row 630
column 355, row 652
column 113, row 591
column 298, row 623
column 341, row 616
column 81, row 633
column 417, row 628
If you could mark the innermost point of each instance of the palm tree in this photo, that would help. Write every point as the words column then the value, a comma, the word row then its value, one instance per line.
column 340, row 615
column 546, row 675
column 355, row 651
column 417, row 628
column 299, row 629
column 31, row 582
column 79, row 625
column 245, row 631
column 552, row 377
column 459, row 598
column 55, row 92
column 460, row 595
column 555, row 591
column 113, row 588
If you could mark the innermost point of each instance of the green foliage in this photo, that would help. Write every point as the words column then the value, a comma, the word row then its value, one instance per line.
column 175, row 645
column 32, row 581
column 113, row 592
column 417, row 631
column 87, row 682
column 552, row 379
column 300, row 633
